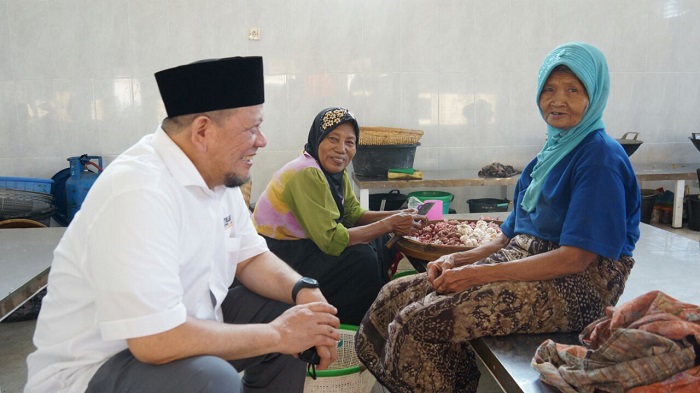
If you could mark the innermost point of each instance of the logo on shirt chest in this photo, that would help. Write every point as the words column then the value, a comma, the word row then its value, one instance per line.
column 228, row 222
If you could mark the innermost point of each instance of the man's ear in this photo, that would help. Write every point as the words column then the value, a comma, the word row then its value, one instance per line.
column 200, row 132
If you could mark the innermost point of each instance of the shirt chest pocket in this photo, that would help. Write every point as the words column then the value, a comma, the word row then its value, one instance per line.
column 224, row 269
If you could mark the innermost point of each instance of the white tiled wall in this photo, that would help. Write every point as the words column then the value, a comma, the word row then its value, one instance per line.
column 76, row 76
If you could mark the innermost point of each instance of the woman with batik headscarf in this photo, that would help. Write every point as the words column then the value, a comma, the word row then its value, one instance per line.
column 564, row 255
column 312, row 220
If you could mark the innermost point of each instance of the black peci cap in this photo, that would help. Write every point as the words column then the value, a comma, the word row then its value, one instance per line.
column 211, row 85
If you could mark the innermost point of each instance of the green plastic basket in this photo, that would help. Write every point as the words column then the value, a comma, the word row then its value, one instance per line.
column 346, row 374
column 403, row 274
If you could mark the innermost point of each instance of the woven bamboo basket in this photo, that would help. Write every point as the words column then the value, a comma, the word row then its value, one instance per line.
column 37, row 206
column 21, row 223
column 389, row 136
column 345, row 375
column 246, row 188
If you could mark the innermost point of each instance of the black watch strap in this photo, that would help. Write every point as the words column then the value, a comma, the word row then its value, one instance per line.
column 304, row 282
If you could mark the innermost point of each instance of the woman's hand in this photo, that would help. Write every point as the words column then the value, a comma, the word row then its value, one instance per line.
column 458, row 279
column 446, row 275
column 373, row 224
column 404, row 223
column 416, row 217
column 437, row 267
column 457, row 272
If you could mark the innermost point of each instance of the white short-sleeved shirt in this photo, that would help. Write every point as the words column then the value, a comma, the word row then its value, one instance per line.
column 150, row 245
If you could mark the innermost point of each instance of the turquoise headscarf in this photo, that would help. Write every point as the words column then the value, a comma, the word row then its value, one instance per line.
column 589, row 65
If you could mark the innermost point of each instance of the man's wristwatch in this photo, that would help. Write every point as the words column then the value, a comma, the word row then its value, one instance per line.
column 304, row 282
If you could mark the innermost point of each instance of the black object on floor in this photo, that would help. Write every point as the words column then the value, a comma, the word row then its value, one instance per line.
column 28, row 311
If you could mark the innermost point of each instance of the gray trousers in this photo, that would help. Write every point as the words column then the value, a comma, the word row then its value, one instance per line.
column 123, row 373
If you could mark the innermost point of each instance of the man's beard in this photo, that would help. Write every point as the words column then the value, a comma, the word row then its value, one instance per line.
column 233, row 180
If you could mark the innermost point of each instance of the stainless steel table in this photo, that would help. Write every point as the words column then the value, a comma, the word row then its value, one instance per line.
column 25, row 259
column 664, row 261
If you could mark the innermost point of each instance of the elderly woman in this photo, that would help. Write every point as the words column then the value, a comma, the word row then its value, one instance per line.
column 564, row 255
column 312, row 220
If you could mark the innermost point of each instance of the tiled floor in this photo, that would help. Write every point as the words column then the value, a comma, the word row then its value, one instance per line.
column 15, row 344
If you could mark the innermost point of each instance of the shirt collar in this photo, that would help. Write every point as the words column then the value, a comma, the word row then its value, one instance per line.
column 180, row 166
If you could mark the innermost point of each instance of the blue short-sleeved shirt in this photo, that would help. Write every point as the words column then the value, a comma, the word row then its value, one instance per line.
column 590, row 200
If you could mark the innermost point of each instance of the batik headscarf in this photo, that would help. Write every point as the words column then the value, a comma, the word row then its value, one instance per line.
column 325, row 122
column 588, row 64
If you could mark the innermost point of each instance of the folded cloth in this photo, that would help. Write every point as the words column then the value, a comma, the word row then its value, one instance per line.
column 683, row 382
column 496, row 169
column 396, row 175
column 402, row 170
column 642, row 342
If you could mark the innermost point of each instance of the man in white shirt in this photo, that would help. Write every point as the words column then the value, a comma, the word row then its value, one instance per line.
column 140, row 295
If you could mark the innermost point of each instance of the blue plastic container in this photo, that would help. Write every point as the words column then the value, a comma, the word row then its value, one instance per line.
column 27, row 184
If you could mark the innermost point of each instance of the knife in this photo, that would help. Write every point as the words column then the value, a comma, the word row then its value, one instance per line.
column 422, row 210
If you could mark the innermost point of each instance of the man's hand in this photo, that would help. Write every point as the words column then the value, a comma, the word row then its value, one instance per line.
column 328, row 355
column 309, row 325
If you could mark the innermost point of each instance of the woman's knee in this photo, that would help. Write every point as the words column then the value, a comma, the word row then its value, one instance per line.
column 362, row 253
